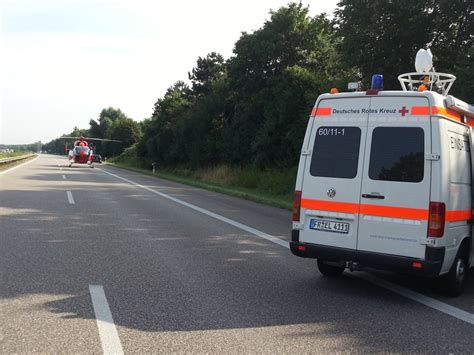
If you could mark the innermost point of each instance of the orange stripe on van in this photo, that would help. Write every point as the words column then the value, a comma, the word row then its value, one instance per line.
column 321, row 111
column 440, row 111
column 437, row 110
column 420, row 110
column 344, row 207
column 372, row 210
column 394, row 212
column 381, row 211
column 462, row 215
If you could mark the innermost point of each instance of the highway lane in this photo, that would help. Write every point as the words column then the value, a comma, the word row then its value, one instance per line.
column 177, row 280
column 38, row 276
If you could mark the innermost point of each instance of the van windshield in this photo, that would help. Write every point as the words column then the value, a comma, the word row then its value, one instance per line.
column 397, row 154
column 336, row 152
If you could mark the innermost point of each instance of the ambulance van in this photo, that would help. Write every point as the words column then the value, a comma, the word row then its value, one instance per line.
column 385, row 181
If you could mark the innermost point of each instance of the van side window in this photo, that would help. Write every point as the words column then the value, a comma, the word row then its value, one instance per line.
column 397, row 154
column 336, row 152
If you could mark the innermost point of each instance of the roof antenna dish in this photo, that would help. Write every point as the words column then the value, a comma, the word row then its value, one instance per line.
column 425, row 77
column 423, row 61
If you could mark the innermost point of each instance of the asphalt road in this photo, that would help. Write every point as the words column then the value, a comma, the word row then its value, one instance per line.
column 181, row 269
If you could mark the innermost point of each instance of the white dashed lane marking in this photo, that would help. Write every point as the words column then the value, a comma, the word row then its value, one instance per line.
column 70, row 198
column 105, row 323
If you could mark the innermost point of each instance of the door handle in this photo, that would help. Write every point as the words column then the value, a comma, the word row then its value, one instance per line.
column 379, row 197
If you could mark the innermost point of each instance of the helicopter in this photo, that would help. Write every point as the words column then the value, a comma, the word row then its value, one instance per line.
column 83, row 151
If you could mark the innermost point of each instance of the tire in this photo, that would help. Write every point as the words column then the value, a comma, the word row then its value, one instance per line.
column 330, row 270
column 456, row 278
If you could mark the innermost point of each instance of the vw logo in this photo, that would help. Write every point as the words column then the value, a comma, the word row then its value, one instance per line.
column 331, row 192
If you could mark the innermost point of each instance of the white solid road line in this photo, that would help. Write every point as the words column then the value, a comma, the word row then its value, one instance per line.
column 258, row 233
column 415, row 296
column 70, row 198
column 107, row 331
column 18, row 166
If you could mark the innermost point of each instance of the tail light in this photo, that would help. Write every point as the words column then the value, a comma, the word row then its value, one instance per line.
column 437, row 217
column 297, row 206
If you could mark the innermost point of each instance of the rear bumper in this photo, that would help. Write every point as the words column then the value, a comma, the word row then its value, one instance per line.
column 431, row 264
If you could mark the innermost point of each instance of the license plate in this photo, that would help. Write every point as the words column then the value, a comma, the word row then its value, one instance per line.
column 329, row 226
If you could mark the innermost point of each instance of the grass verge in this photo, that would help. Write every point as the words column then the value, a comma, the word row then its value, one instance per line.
column 272, row 188
column 8, row 165
column 13, row 154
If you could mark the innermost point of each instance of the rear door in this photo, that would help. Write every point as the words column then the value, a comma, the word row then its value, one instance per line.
column 396, row 181
column 333, row 172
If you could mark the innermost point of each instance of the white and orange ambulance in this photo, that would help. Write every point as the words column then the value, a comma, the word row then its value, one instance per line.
column 385, row 181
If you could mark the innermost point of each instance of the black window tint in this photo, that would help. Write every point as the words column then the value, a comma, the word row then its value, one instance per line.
column 336, row 152
column 397, row 154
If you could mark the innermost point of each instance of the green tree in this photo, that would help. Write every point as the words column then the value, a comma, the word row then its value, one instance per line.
column 113, row 124
column 78, row 132
column 206, row 147
column 166, row 136
column 275, row 76
column 383, row 37
column 207, row 71
column 127, row 131
column 252, row 109
column 31, row 147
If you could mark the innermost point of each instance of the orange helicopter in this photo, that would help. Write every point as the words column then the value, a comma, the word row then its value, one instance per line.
column 83, row 151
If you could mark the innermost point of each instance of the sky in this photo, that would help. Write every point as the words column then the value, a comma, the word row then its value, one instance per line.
column 63, row 61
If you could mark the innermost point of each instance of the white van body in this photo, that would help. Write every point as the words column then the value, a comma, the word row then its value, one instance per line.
column 375, row 173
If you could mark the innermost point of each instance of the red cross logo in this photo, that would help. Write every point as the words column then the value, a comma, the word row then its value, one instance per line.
column 403, row 111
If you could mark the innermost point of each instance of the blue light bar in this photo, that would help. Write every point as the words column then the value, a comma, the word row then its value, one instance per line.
column 377, row 82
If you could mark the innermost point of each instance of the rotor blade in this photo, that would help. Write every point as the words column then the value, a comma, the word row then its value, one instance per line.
column 102, row 139
column 92, row 139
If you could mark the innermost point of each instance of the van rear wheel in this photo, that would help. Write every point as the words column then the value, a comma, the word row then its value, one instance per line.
column 329, row 270
column 456, row 277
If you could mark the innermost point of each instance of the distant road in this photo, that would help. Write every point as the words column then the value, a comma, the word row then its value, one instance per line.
column 104, row 259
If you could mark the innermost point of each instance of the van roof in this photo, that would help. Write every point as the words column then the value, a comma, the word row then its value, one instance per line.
column 426, row 93
column 441, row 106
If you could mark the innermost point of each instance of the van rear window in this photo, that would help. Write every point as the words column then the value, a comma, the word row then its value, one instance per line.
column 336, row 152
column 397, row 154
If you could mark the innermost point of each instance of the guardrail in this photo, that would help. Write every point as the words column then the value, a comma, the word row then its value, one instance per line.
column 14, row 159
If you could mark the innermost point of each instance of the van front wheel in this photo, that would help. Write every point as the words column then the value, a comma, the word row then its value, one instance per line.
column 329, row 270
